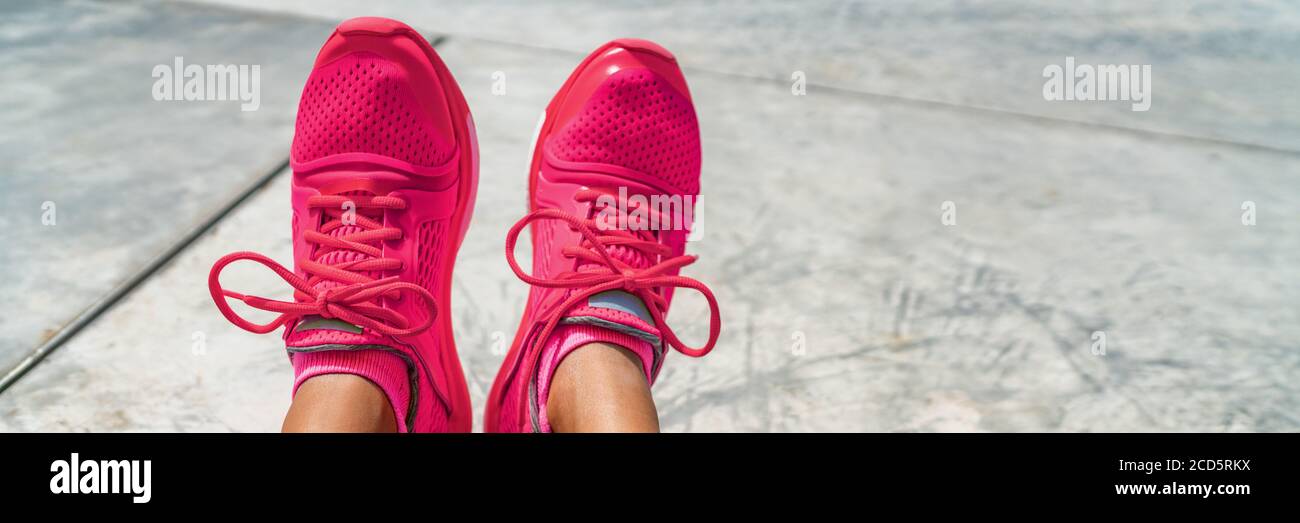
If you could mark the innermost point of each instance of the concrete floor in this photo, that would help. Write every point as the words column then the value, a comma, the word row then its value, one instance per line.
column 124, row 175
column 847, row 304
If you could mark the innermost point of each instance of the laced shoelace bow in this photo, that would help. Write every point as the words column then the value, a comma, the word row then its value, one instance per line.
column 353, row 301
column 610, row 274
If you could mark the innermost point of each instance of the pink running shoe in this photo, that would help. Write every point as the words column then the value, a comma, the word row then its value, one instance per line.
column 618, row 140
column 385, row 168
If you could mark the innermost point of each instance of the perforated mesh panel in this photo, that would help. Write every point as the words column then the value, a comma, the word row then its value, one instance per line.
column 431, row 235
column 637, row 121
column 360, row 103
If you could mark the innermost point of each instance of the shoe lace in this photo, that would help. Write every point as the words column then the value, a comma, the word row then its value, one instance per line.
column 353, row 300
column 604, row 272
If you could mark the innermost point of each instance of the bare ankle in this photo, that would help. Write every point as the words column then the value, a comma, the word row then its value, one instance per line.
column 339, row 403
column 601, row 388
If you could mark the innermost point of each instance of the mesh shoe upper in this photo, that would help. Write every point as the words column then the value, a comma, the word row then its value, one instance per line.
column 361, row 103
column 637, row 121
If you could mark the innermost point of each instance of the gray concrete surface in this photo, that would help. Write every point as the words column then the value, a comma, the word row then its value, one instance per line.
column 124, row 176
column 1224, row 70
column 847, row 304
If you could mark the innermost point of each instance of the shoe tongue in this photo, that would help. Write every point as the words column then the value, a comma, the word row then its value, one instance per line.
column 632, row 257
column 333, row 256
column 315, row 330
column 628, row 255
column 625, row 310
column 619, row 311
column 620, row 302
